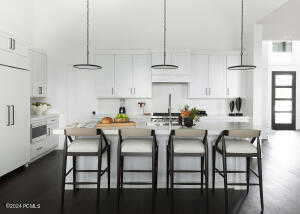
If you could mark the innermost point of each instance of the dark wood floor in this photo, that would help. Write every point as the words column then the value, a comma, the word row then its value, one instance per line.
column 40, row 183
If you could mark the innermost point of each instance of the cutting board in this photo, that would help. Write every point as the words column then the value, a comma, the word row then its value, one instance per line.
column 100, row 125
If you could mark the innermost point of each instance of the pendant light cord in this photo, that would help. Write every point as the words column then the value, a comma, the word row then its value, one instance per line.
column 87, row 31
column 165, row 30
column 242, row 33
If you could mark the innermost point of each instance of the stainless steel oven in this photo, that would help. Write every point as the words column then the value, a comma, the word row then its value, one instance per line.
column 38, row 131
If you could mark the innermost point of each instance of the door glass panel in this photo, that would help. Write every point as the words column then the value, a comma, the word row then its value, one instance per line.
column 283, row 93
column 283, row 118
column 283, row 105
column 284, row 80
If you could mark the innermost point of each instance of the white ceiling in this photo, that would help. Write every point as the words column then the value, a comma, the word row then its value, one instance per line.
column 137, row 24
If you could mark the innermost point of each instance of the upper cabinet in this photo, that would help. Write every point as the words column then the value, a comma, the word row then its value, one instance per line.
column 13, row 52
column 198, row 87
column 105, row 78
column 38, row 69
column 124, row 76
column 234, row 78
column 211, row 79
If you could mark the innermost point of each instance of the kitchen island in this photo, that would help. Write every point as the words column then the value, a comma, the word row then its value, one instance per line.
column 162, row 133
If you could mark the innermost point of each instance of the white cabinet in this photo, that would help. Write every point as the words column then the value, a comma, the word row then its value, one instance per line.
column 198, row 87
column 14, row 118
column 124, row 76
column 142, row 85
column 208, row 76
column 38, row 65
column 13, row 52
column 217, row 76
column 105, row 78
column 234, row 78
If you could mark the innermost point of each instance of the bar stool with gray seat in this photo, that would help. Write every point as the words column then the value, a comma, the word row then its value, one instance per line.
column 81, row 145
column 136, row 142
column 187, row 143
column 238, row 143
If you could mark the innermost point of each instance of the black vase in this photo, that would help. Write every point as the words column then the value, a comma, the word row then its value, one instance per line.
column 238, row 105
column 188, row 122
column 231, row 108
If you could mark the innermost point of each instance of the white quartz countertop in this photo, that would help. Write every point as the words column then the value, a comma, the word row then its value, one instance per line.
column 213, row 127
column 36, row 118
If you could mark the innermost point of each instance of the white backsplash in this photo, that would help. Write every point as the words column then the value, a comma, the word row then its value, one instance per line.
column 159, row 101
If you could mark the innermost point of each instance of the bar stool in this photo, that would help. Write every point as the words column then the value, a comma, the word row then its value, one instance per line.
column 85, row 147
column 136, row 142
column 238, row 143
column 187, row 142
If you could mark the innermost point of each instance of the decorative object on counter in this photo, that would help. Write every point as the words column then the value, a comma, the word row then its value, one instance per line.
column 39, row 108
column 238, row 105
column 142, row 105
column 122, row 109
column 188, row 116
column 165, row 65
column 121, row 118
column 106, row 120
column 231, row 108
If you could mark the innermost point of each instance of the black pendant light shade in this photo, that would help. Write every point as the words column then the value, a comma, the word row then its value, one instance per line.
column 165, row 66
column 242, row 67
column 87, row 65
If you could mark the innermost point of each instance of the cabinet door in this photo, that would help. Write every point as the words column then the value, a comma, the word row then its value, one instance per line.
column 234, row 78
column 44, row 68
column 217, row 76
column 15, row 128
column 52, row 140
column 182, row 60
column 142, row 76
column 105, row 82
column 123, row 75
column 198, row 87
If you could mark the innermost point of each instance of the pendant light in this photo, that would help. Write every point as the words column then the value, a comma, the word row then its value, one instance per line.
column 242, row 67
column 87, row 66
column 164, row 65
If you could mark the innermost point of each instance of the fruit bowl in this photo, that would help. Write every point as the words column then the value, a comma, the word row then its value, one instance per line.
column 121, row 120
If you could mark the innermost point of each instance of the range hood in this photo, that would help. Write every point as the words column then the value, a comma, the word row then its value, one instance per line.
column 171, row 79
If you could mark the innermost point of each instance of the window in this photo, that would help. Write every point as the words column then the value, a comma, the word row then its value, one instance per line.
column 282, row 46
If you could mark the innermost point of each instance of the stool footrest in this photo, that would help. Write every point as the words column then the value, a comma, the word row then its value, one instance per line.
column 136, row 183
column 187, row 171
column 183, row 183
column 86, row 183
column 136, row 170
column 91, row 170
column 242, row 184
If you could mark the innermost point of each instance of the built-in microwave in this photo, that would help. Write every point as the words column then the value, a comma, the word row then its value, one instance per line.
column 38, row 131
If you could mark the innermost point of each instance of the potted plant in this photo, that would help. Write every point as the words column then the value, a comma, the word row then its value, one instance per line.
column 188, row 115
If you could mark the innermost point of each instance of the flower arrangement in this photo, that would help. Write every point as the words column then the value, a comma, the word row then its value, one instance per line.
column 189, row 115
column 39, row 108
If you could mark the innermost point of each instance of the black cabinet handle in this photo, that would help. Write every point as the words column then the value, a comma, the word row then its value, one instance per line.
column 8, row 115
column 13, row 114
column 14, row 44
column 10, row 43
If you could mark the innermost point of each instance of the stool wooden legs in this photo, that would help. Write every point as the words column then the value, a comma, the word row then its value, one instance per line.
column 74, row 173
column 248, row 164
column 225, row 181
column 213, row 168
column 202, row 171
column 63, row 175
column 168, row 168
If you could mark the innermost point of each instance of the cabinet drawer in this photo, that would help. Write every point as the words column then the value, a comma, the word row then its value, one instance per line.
column 37, row 148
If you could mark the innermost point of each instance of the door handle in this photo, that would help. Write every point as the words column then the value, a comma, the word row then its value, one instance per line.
column 13, row 114
column 40, row 90
column 49, row 131
column 209, row 91
column 14, row 44
column 227, row 91
column 10, row 43
column 206, row 91
column 112, row 91
column 134, row 90
column 8, row 115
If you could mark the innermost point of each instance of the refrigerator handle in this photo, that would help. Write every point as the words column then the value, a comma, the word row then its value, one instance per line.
column 13, row 114
column 8, row 115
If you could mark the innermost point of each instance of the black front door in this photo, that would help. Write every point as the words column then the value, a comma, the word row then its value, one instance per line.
column 283, row 100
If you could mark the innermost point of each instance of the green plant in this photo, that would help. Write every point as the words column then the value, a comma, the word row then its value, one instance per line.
column 194, row 112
